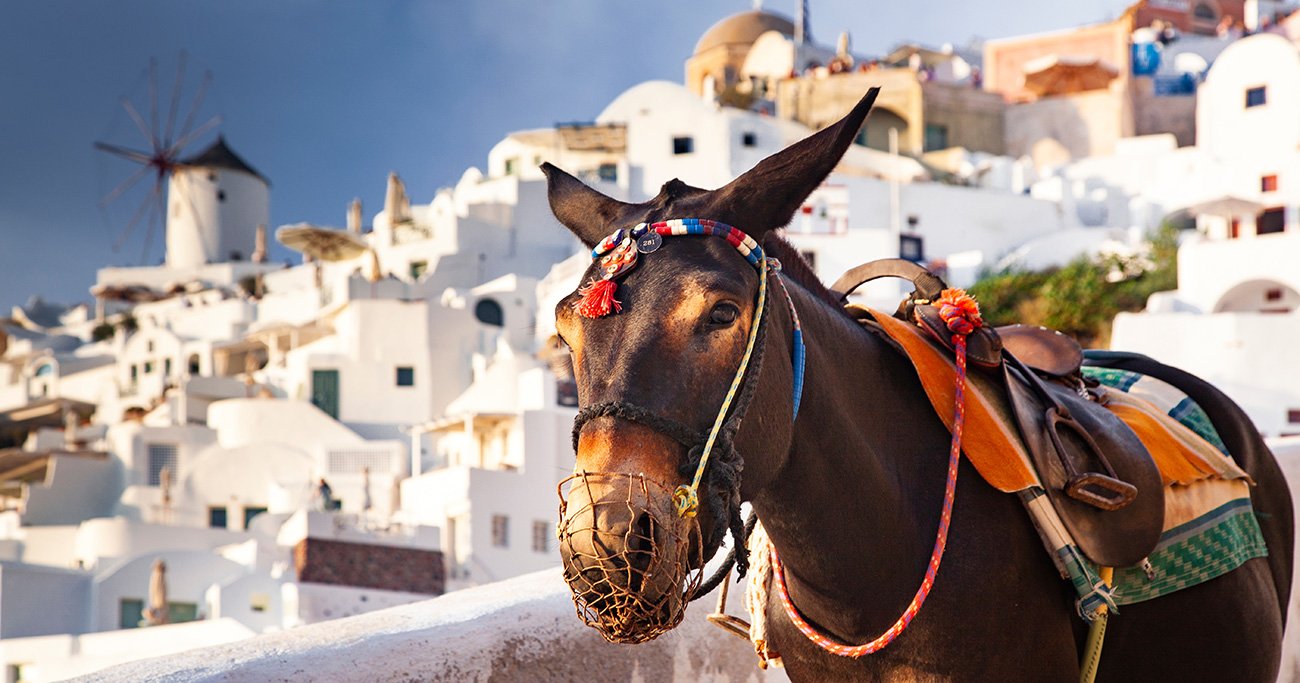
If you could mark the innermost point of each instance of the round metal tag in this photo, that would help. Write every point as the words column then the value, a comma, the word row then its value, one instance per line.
column 649, row 242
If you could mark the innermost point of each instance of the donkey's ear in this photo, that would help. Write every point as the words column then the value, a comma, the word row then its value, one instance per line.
column 585, row 212
column 767, row 196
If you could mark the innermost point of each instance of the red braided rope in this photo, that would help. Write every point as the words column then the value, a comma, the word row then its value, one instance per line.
column 961, row 313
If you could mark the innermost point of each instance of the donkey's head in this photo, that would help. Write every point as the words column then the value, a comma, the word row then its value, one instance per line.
column 654, row 362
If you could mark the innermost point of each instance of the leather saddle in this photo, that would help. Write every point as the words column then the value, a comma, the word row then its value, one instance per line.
column 1097, row 473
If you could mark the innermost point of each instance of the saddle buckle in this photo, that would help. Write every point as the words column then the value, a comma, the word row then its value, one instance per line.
column 1099, row 489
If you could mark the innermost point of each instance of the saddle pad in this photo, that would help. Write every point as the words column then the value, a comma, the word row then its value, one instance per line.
column 1211, row 530
column 1182, row 456
column 1162, row 395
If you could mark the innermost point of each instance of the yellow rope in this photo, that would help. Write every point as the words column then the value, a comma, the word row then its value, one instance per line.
column 686, row 498
column 1096, row 634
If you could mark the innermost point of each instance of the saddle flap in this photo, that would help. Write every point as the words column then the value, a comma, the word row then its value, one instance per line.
column 1117, row 537
column 1044, row 350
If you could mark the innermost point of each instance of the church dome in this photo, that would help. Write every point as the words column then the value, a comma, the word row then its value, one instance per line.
column 743, row 29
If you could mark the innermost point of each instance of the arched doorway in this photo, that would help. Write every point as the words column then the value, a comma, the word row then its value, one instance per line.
column 1259, row 296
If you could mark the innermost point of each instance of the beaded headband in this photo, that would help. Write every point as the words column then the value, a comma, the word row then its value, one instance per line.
column 617, row 254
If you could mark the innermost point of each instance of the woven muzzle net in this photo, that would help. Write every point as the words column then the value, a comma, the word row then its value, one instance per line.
column 632, row 563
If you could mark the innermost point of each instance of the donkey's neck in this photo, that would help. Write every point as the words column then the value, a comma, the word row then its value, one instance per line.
column 852, row 511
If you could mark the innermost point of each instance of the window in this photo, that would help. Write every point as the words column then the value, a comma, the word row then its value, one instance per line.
column 489, row 312
column 325, row 391
column 418, row 269
column 911, row 247
column 193, row 364
column 130, row 613
column 749, row 139
column 405, row 376
column 1268, row 183
column 135, row 373
column 259, row 602
column 608, row 172
column 148, row 367
column 1256, row 97
column 161, row 455
column 936, row 137
column 149, row 346
column 45, row 369
column 179, row 612
column 221, row 195
column 541, row 536
column 358, row 461
column 511, row 165
column 500, row 531
column 683, row 145
column 1273, row 294
column 1293, row 415
column 217, row 517
column 1270, row 221
column 250, row 513
column 167, row 367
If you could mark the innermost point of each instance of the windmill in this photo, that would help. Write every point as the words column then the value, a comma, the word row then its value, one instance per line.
column 161, row 153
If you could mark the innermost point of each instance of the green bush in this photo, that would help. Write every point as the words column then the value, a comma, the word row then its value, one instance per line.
column 102, row 331
column 1082, row 298
column 1010, row 297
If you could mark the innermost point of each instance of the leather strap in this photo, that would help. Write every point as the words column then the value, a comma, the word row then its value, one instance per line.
column 928, row 285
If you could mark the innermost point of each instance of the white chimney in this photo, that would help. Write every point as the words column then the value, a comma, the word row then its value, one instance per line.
column 354, row 216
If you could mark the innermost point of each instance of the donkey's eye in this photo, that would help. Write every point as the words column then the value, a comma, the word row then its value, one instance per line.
column 724, row 314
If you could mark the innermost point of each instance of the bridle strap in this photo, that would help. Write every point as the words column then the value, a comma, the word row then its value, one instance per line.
column 624, row 410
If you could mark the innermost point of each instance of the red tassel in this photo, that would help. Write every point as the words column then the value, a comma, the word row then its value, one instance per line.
column 598, row 298
column 959, row 310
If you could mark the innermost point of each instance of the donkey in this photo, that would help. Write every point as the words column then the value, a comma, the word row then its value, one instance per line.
column 850, row 490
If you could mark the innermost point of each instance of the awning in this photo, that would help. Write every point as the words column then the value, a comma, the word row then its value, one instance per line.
column 1057, row 75
column 325, row 244
column 18, row 467
column 43, row 413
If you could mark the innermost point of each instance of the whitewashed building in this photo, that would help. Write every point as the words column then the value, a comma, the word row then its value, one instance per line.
column 1237, row 305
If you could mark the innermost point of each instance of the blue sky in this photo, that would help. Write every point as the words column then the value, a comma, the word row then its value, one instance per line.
column 326, row 97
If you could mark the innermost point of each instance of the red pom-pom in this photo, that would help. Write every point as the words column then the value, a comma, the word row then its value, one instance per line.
column 960, row 311
column 598, row 299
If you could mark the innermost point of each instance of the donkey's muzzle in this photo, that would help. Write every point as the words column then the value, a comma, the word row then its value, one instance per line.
column 632, row 563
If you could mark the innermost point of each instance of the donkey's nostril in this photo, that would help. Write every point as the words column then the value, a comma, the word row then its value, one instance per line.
column 640, row 549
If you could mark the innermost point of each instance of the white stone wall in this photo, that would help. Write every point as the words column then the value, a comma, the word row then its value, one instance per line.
column 518, row 630
column 1208, row 270
column 1249, row 356
column 36, row 600
column 1227, row 128
column 57, row 658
